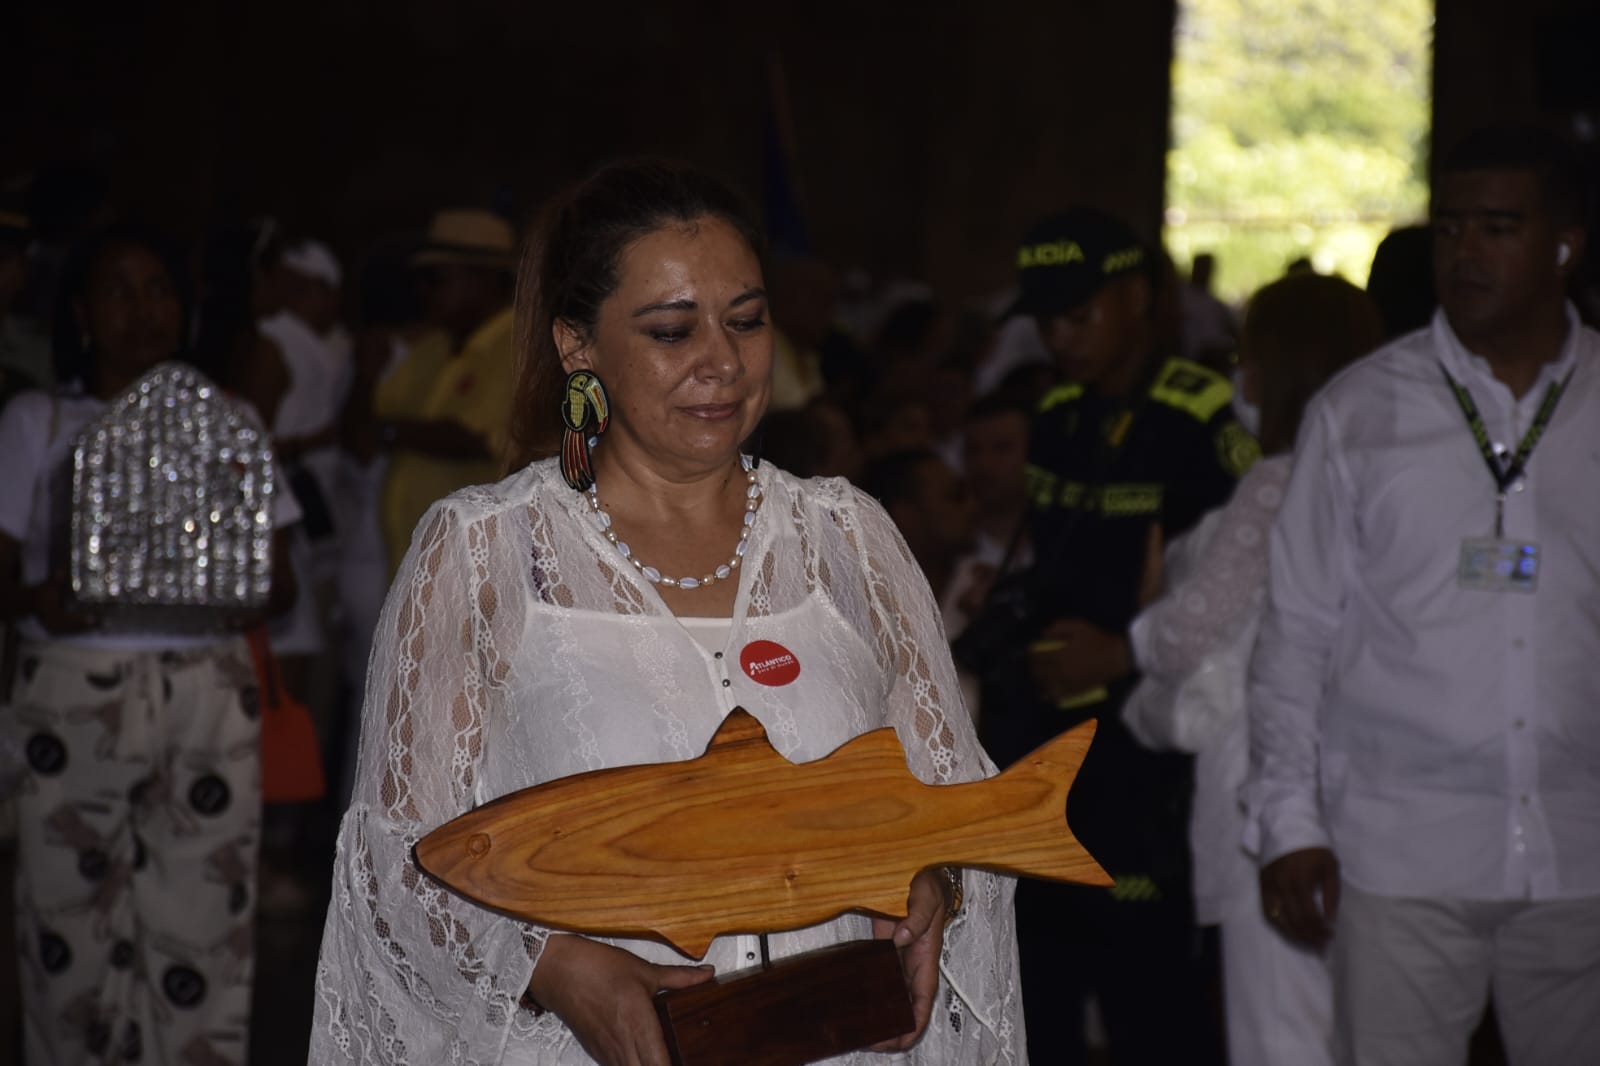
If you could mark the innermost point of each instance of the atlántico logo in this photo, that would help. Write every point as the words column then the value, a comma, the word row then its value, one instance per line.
column 766, row 662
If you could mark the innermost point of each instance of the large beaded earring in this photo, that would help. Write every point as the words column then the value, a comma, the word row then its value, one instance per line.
column 586, row 412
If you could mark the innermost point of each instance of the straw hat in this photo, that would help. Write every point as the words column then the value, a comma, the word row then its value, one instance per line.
column 468, row 236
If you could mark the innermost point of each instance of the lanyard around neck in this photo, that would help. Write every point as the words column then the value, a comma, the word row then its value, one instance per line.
column 1505, row 475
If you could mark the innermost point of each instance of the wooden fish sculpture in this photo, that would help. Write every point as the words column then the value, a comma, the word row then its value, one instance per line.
column 740, row 840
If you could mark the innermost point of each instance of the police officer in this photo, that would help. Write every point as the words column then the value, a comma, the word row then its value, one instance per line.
column 1127, row 451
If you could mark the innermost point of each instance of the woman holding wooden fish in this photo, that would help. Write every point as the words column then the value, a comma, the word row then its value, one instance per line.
column 609, row 605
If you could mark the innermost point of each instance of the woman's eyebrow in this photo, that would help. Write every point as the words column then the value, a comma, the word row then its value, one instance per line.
column 681, row 304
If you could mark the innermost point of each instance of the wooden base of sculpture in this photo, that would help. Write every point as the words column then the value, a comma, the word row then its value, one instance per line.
column 792, row 1011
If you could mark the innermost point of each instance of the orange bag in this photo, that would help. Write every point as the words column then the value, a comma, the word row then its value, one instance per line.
column 291, row 764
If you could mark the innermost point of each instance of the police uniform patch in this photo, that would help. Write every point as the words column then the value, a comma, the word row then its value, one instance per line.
column 1040, row 485
column 1059, row 395
column 1191, row 388
column 1237, row 449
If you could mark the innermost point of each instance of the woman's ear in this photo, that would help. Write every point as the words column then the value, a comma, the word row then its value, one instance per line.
column 573, row 347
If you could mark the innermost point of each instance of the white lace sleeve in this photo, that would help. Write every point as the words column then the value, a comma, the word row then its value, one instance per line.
column 979, row 964
column 1218, row 590
column 410, row 973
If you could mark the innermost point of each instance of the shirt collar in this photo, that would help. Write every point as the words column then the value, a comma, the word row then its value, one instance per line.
column 1463, row 364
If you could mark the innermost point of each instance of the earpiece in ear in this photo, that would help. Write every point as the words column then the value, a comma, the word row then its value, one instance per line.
column 1563, row 253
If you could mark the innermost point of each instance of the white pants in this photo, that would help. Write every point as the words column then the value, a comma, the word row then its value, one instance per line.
column 1277, row 996
column 1412, row 976
column 139, row 816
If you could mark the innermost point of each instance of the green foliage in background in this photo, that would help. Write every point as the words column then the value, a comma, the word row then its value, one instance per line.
column 1300, row 129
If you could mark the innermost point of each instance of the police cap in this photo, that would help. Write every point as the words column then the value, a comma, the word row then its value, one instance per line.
column 1068, row 257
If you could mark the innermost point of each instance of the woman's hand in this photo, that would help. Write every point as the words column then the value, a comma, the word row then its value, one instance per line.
column 604, row 995
column 920, row 938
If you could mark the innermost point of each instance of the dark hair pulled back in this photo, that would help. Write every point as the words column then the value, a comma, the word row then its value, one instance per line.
column 573, row 264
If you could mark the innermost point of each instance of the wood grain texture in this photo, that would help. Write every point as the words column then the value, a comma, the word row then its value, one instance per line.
column 741, row 840
column 797, row 1010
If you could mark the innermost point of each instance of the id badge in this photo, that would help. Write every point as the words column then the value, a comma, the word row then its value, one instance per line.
column 1494, row 565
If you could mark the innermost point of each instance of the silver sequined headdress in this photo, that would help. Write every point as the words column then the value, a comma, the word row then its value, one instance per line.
column 172, row 506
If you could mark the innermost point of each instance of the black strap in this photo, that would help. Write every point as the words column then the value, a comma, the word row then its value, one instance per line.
column 1505, row 475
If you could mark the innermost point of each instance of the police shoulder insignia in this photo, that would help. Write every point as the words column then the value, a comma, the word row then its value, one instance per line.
column 1237, row 449
column 1059, row 395
column 1041, row 485
column 1191, row 388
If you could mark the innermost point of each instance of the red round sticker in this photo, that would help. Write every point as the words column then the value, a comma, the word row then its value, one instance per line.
column 769, row 663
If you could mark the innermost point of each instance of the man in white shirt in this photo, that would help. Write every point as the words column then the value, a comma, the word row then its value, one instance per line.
column 1425, row 693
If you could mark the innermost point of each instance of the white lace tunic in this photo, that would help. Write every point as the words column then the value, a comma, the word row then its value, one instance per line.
column 517, row 647
column 1193, row 647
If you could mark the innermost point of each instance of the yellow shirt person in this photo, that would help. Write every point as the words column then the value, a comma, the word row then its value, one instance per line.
column 444, row 409
column 472, row 388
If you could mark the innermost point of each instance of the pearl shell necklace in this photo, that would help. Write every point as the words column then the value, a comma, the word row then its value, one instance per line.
column 752, row 503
